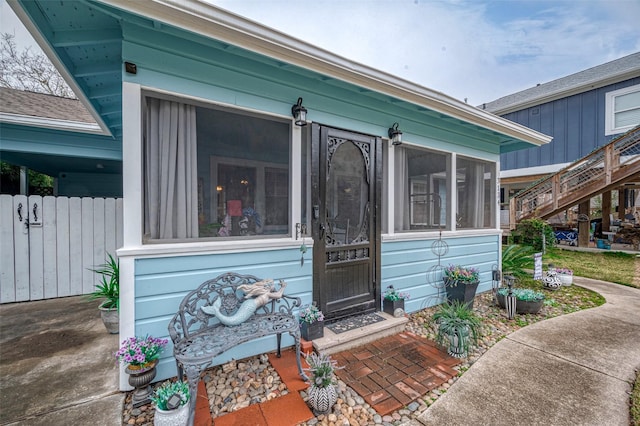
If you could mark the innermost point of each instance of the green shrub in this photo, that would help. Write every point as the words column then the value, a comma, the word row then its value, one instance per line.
column 529, row 232
column 515, row 259
column 109, row 286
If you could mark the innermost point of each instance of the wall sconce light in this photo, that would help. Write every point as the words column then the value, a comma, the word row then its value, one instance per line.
column 395, row 135
column 299, row 113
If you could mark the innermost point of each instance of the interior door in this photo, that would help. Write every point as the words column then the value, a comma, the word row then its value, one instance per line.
column 346, row 186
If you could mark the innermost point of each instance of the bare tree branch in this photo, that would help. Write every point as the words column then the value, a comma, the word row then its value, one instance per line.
column 25, row 70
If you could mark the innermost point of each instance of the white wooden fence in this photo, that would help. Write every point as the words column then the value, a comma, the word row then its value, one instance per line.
column 49, row 244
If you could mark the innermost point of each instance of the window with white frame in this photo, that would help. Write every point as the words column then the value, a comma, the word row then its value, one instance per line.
column 476, row 190
column 213, row 172
column 622, row 110
column 421, row 189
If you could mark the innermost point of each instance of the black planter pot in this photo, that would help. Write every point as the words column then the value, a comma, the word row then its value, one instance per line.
column 140, row 378
column 522, row 306
column 390, row 306
column 461, row 292
column 315, row 330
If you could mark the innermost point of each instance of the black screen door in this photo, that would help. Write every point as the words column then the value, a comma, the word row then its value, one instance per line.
column 346, row 184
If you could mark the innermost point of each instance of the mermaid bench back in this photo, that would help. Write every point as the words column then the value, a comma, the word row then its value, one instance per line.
column 191, row 320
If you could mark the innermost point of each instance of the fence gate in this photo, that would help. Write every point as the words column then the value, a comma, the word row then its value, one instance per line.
column 49, row 244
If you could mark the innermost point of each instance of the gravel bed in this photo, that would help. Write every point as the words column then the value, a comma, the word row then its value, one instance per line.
column 239, row 384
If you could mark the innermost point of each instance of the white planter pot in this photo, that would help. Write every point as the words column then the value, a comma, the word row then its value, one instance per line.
column 177, row 417
column 322, row 399
column 565, row 279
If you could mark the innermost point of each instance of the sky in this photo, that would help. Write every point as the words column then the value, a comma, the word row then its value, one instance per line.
column 477, row 50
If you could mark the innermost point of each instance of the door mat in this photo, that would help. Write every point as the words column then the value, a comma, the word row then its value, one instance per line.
column 354, row 322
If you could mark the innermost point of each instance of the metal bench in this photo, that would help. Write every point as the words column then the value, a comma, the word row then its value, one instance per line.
column 198, row 337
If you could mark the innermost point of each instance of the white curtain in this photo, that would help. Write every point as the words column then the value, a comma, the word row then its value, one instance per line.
column 471, row 203
column 171, row 192
column 402, row 198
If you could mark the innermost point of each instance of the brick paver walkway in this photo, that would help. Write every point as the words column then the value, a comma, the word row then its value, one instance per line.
column 394, row 371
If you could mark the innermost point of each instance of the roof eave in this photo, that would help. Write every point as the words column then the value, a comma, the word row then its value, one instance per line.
column 62, row 69
column 581, row 88
column 51, row 123
column 230, row 28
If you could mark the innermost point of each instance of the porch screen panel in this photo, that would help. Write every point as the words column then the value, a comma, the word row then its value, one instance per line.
column 475, row 181
column 214, row 172
column 421, row 189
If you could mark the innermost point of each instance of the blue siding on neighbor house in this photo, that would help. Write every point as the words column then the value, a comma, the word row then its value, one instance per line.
column 161, row 284
column 577, row 124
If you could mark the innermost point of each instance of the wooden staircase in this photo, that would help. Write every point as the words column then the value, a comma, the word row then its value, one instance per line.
column 604, row 169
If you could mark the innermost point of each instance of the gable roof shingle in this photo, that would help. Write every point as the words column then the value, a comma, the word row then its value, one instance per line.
column 601, row 75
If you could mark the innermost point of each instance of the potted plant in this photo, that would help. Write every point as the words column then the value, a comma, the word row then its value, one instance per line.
column 322, row 392
column 550, row 280
column 141, row 354
column 457, row 327
column 171, row 400
column 528, row 301
column 565, row 275
column 109, row 290
column 461, row 283
column 311, row 322
column 393, row 300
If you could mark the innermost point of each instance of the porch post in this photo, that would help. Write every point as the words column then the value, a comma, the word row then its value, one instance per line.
column 606, row 211
column 131, row 209
column 584, row 226
column 622, row 201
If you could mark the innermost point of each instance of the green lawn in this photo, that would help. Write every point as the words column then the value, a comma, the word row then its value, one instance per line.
column 616, row 267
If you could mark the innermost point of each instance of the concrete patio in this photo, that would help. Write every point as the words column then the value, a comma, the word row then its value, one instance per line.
column 57, row 365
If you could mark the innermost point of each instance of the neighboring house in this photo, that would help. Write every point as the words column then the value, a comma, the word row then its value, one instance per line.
column 582, row 111
column 41, row 132
column 218, row 177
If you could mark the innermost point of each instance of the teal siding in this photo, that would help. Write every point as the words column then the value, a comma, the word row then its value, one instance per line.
column 24, row 139
column 411, row 266
column 191, row 66
column 210, row 70
column 162, row 283
column 90, row 184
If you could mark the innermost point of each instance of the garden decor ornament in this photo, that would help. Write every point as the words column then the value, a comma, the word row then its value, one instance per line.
column 256, row 295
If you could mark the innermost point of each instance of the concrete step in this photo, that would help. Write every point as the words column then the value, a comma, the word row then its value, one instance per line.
column 332, row 343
